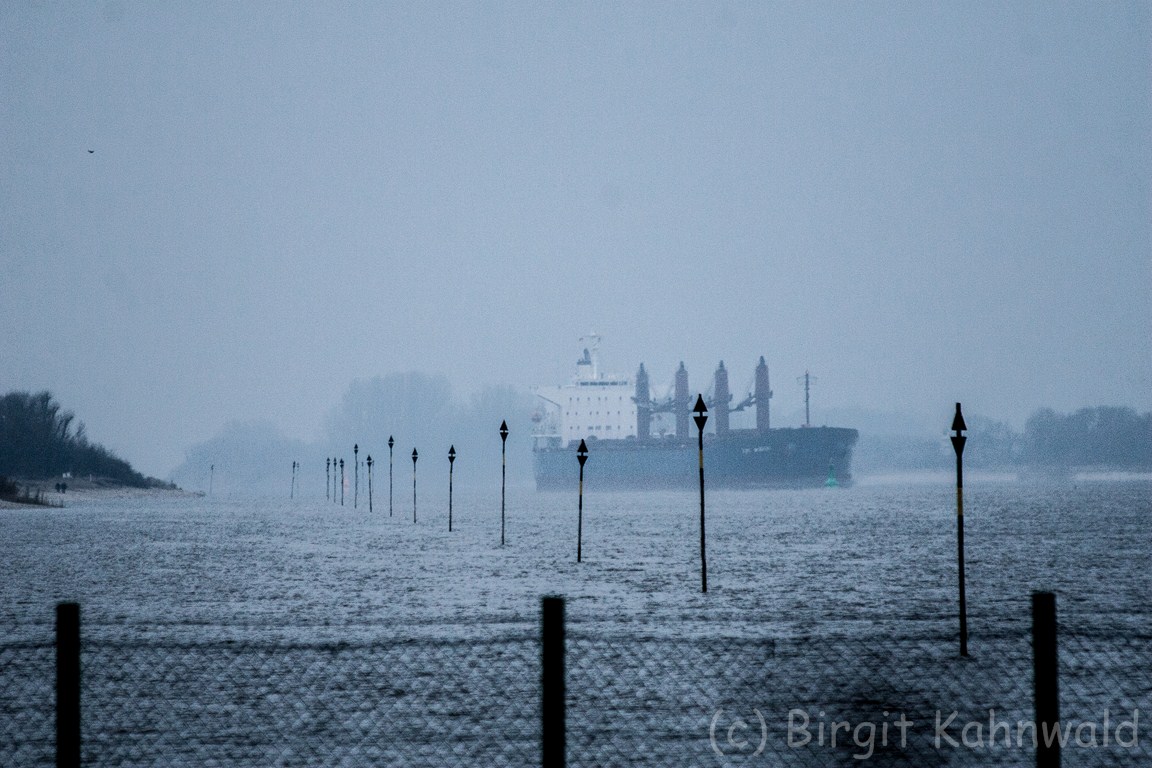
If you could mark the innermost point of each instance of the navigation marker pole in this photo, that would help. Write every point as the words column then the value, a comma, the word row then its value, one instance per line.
column 503, row 473
column 391, row 443
column 327, row 477
column 581, row 456
column 369, row 462
column 356, row 474
column 701, row 418
column 451, row 462
column 414, row 457
column 958, row 441
column 341, row 482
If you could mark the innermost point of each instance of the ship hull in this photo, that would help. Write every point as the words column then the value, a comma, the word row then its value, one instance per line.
column 776, row 458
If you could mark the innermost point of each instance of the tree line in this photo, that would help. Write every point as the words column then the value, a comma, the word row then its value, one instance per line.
column 1109, row 437
column 1101, row 438
column 418, row 410
column 38, row 440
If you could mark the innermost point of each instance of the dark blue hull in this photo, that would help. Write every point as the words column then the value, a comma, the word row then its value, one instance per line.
column 778, row 458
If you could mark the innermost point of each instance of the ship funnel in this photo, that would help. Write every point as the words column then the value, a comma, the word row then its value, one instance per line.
column 680, row 403
column 721, row 400
column 643, row 405
column 763, row 395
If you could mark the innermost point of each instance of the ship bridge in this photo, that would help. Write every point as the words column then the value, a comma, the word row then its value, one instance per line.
column 593, row 405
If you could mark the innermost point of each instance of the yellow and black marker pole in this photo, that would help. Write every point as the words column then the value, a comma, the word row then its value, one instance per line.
column 958, row 441
column 701, row 418
column 581, row 456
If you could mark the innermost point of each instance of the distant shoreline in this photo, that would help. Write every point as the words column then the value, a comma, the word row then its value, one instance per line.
column 83, row 488
column 1073, row 475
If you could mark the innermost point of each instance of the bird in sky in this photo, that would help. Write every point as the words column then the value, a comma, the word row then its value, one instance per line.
column 91, row 151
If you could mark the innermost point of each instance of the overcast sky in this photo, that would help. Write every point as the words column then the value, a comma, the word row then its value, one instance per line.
column 217, row 211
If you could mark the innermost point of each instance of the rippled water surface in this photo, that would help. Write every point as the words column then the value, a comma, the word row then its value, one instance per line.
column 874, row 557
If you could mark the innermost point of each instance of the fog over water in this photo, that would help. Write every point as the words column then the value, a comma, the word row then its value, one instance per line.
column 218, row 211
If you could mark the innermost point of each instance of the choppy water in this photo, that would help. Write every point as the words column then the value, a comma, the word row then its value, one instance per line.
column 255, row 632
column 874, row 557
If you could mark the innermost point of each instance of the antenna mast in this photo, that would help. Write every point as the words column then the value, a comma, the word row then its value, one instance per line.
column 807, row 380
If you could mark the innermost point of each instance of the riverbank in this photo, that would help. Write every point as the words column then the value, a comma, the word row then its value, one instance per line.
column 57, row 492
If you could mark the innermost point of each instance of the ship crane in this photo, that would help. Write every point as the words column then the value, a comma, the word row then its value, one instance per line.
column 760, row 396
column 718, row 398
column 665, row 404
column 744, row 404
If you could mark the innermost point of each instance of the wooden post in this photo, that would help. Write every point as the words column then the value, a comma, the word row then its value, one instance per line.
column 1047, row 692
column 68, row 685
column 552, row 693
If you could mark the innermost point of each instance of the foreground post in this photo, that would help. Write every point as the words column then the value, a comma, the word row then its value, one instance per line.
column 701, row 418
column 341, row 482
column 581, row 456
column 451, row 461
column 552, row 747
column 327, row 477
column 292, row 488
column 356, row 474
column 503, row 473
column 1045, row 668
column 958, row 441
column 68, row 685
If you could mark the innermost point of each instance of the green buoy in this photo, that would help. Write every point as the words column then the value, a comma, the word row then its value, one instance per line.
column 831, row 481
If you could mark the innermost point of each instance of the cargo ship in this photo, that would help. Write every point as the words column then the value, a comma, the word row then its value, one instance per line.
column 638, row 441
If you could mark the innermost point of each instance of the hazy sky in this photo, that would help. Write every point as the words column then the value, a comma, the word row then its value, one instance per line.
column 921, row 203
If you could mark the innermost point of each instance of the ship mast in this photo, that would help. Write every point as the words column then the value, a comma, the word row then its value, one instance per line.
column 807, row 380
column 592, row 354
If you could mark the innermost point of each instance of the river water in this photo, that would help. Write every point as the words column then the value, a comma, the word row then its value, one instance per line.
column 282, row 608
column 879, row 554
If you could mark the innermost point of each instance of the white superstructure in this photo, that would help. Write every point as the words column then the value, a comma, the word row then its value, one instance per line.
column 593, row 405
